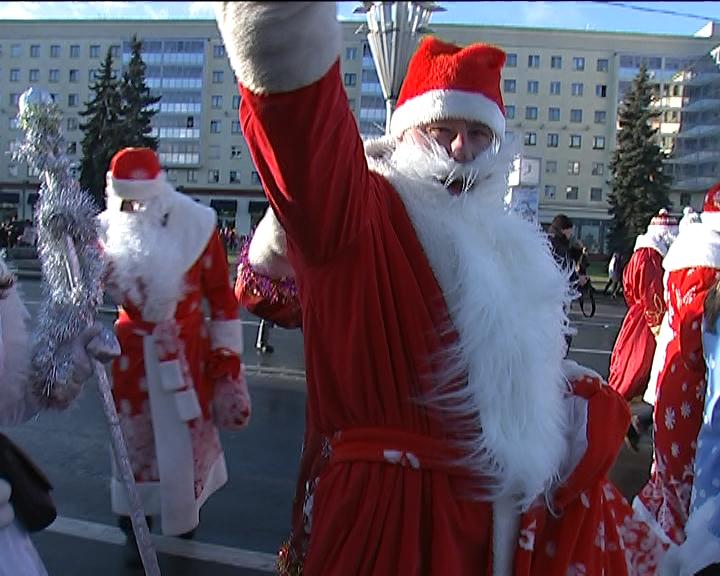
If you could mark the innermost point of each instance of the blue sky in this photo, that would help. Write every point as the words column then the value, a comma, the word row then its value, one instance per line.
column 611, row 16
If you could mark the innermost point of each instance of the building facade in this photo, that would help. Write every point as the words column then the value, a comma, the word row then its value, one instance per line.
column 561, row 89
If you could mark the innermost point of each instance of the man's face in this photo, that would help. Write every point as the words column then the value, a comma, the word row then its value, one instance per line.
column 568, row 232
column 462, row 140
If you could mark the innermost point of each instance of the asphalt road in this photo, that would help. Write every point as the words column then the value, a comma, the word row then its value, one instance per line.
column 243, row 524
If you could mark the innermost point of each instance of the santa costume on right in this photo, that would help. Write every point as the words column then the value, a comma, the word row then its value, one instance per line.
column 456, row 437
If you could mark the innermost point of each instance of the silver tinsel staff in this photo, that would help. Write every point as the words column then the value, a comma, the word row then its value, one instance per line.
column 72, row 267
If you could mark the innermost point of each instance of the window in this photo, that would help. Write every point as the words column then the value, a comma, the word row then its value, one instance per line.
column 235, row 152
column 531, row 113
column 213, row 176
column 600, row 116
column 573, row 168
column 16, row 50
column 216, row 101
column 54, row 75
column 12, row 170
column 530, row 138
column 95, row 51
column 255, row 177
column 575, row 115
column 571, row 192
column 578, row 63
column 596, row 194
column 533, row 86
column 73, row 75
column 551, row 166
column 15, row 75
column 34, row 75
column 91, row 75
column 191, row 175
column 550, row 191
column 534, row 61
column 190, row 122
column 685, row 198
column 350, row 79
column 73, row 100
column 217, row 76
column 218, row 51
column 602, row 65
column 575, row 141
column 215, row 126
column 556, row 62
column 55, row 51
column 14, row 99
column 555, row 87
column 234, row 178
column 510, row 86
column 577, row 88
column 510, row 112
column 74, row 51
column 72, row 124
column 72, row 148
column 598, row 169
column 554, row 114
column 214, row 152
column 552, row 140
column 35, row 51
column 13, row 123
column 511, row 61
column 235, row 127
column 236, row 102
column 601, row 90
column 351, row 53
column 598, row 142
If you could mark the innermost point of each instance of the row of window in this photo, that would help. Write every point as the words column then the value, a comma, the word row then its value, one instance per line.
column 233, row 177
column 574, row 141
column 572, row 193
column 16, row 51
column 533, row 87
column 150, row 48
column 576, row 114
column 556, row 62
column 551, row 167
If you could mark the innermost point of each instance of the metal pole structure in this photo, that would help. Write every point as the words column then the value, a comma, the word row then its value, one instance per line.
column 393, row 31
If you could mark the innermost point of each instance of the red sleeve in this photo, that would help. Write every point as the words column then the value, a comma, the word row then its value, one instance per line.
column 650, row 288
column 307, row 149
column 215, row 278
column 695, row 287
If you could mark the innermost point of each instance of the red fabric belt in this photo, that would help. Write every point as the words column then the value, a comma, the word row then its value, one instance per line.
column 400, row 447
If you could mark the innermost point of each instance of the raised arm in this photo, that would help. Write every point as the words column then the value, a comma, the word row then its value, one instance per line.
column 297, row 122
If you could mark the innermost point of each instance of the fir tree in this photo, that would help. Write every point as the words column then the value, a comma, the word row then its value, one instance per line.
column 639, row 186
column 102, row 132
column 137, row 103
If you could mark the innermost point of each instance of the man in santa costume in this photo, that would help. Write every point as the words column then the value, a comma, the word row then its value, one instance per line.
column 179, row 377
column 456, row 439
column 692, row 265
column 643, row 290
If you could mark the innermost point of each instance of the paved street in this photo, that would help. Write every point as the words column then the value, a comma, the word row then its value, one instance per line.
column 243, row 524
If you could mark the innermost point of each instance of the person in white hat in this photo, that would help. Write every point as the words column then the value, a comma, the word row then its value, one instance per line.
column 456, row 438
column 179, row 378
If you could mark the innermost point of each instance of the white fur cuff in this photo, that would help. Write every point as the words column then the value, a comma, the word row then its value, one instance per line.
column 227, row 334
column 279, row 46
column 268, row 246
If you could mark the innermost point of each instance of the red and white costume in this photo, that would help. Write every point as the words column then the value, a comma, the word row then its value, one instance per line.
column 178, row 377
column 634, row 347
column 692, row 265
column 434, row 330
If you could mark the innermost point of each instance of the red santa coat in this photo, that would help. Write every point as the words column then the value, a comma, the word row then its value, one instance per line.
column 634, row 348
column 693, row 265
column 163, row 383
column 392, row 498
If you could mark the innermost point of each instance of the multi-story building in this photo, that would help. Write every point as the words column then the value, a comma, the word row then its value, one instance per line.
column 561, row 89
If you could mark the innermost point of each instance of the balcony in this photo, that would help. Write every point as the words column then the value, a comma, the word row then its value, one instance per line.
column 700, row 131
column 703, row 105
column 700, row 157
column 695, row 184
column 701, row 78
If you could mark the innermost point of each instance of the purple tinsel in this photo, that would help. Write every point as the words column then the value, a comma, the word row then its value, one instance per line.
column 277, row 291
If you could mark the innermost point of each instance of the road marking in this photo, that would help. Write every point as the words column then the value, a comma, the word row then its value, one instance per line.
column 289, row 373
column 590, row 351
column 203, row 551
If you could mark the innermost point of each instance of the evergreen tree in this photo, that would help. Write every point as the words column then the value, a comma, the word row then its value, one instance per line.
column 137, row 103
column 639, row 186
column 102, row 131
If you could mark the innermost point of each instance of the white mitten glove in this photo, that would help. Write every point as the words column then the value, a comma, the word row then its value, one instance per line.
column 7, row 514
column 692, row 556
column 231, row 403
column 96, row 342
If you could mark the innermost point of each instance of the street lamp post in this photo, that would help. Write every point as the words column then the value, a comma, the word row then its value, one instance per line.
column 393, row 32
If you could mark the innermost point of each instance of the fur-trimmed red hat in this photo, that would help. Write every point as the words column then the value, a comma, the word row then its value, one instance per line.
column 448, row 82
column 711, row 207
column 135, row 174
column 663, row 223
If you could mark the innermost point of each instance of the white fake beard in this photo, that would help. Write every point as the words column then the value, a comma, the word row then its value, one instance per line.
column 140, row 246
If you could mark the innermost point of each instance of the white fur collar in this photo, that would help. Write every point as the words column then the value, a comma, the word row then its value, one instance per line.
column 506, row 297
column 173, row 235
column 652, row 241
column 696, row 245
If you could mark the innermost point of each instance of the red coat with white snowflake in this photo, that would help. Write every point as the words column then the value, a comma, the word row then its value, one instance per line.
column 178, row 377
column 693, row 265
column 634, row 347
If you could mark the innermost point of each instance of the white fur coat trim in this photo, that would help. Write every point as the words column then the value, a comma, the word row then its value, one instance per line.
column 697, row 245
column 227, row 334
column 279, row 46
column 506, row 297
column 654, row 241
column 267, row 253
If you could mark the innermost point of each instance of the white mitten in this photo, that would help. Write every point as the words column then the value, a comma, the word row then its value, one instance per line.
column 96, row 342
column 231, row 403
column 697, row 552
column 7, row 514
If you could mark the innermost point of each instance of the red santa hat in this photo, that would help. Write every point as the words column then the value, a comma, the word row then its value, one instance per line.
column 663, row 223
column 711, row 208
column 447, row 82
column 135, row 174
